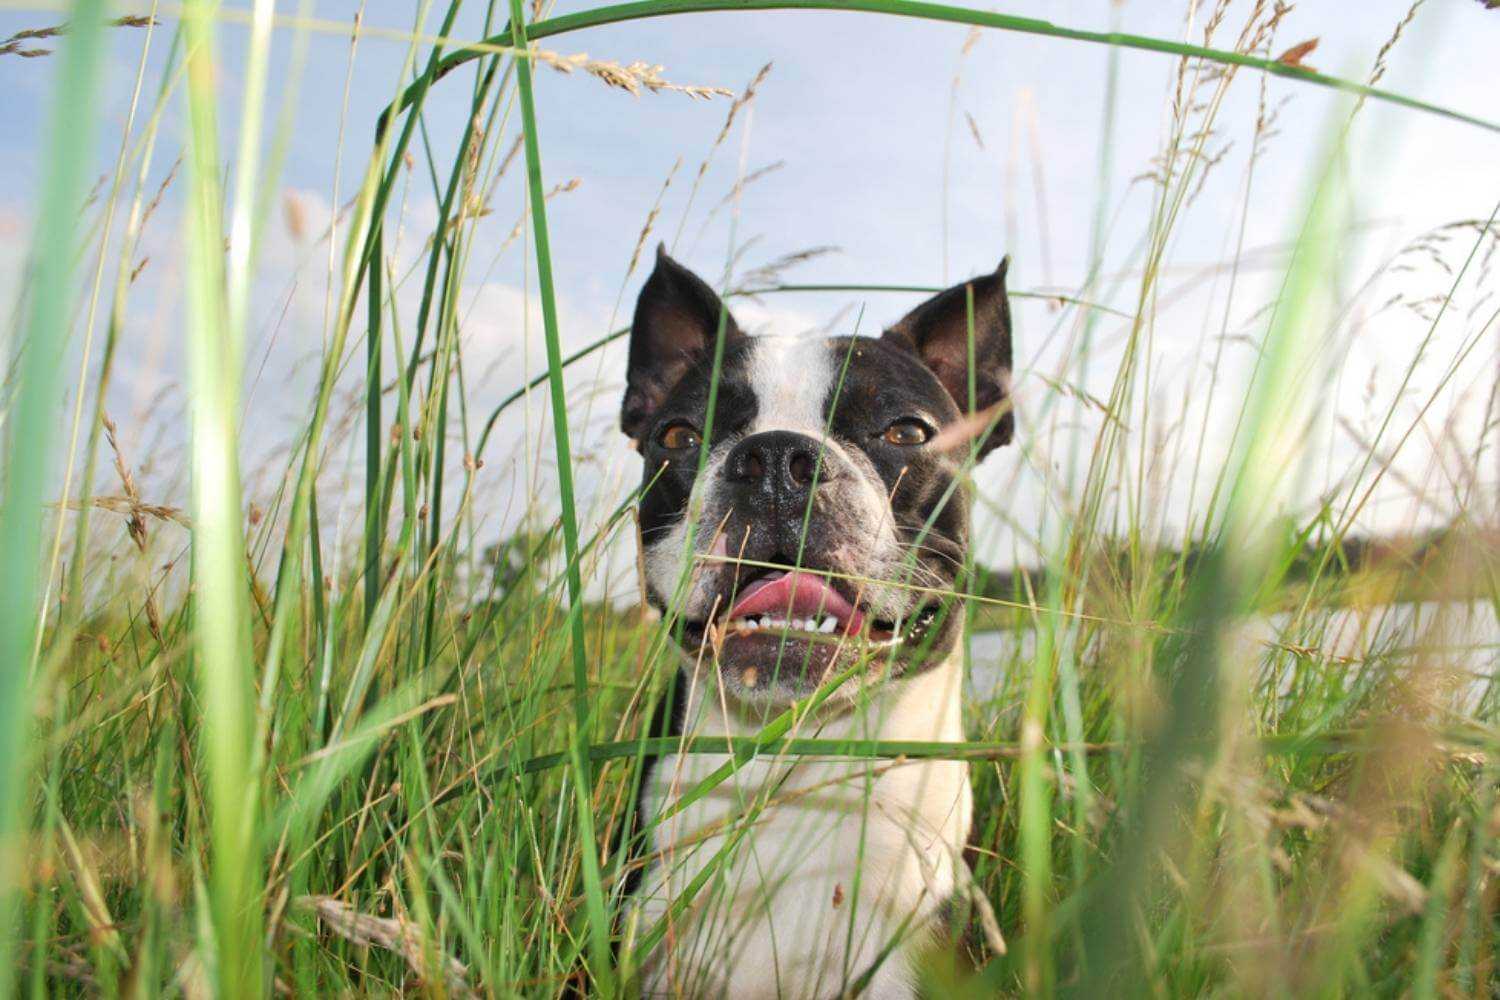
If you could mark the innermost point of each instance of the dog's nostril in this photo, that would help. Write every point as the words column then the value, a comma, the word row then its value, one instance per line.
column 801, row 466
column 754, row 466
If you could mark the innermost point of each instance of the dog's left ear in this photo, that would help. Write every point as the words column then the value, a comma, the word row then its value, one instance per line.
column 937, row 331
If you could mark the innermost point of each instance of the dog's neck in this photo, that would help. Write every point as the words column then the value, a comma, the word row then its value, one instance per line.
column 923, row 706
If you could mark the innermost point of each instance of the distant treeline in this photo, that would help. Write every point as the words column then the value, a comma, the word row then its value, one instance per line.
column 1457, row 561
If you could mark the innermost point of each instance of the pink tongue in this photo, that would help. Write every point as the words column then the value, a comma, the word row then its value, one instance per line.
column 798, row 595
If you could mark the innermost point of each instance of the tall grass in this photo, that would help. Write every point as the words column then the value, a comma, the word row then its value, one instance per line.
column 582, row 723
column 29, row 449
column 401, row 763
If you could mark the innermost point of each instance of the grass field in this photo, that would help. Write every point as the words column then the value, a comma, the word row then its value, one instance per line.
column 253, row 747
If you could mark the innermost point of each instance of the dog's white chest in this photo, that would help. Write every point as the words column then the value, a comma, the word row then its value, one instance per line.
column 806, row 875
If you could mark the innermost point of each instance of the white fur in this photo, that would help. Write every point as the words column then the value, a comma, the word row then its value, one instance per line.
column 847, row 858
column 791, row 377
column 667, row 556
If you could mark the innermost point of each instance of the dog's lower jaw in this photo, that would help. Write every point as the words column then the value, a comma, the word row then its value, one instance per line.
column 846, row 869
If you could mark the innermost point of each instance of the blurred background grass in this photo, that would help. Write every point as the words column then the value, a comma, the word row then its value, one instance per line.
column 365, row 716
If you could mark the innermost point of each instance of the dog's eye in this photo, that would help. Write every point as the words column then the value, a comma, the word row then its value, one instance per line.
column 679, row 436
column 907, row 433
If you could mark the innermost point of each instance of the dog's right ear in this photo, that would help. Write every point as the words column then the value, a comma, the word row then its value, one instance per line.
column 962, row 335
column 676, row 320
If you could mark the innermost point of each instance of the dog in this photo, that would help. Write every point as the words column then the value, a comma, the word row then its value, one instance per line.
column 814, row 524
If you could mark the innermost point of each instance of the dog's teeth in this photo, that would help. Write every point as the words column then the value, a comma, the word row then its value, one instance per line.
column 829, row 624
column 752, row 623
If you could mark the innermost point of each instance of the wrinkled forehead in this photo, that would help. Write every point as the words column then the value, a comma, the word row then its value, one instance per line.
column 800, row 383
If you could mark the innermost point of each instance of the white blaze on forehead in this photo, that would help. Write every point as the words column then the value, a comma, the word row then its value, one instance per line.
column 791, row 378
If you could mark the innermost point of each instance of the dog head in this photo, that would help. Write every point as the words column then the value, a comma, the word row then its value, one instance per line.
column 804, row 511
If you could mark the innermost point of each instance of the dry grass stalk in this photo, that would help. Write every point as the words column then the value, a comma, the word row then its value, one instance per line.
column 735, row 190
column 161, row 191
column 294, row 215
column 974, row 130
column 770, row 274
column 640, row 243
column 515, row 232
column 970, row 40
column 635, row 78
column 1379, row 68
column 131, row 505
column 135, row 524
column 972, row 427
column 132, row 509
column 136, row 511
column 102, row 929
column 735, row 107
column 391, row 933
column 510, row 155
column 744, row 182
column 12, row 46
column 471, row 204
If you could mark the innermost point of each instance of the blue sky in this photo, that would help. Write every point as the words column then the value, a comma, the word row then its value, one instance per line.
column 869, row 128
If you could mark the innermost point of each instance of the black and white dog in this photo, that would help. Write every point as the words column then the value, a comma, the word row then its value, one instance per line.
column 841, row 461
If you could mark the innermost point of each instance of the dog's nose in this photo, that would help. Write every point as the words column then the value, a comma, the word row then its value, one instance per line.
column 782, row 462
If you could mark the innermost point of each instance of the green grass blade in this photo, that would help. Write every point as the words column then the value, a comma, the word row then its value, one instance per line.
column 593, row 890
column 32, row 423
column 221, row 609
column 617, row 13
